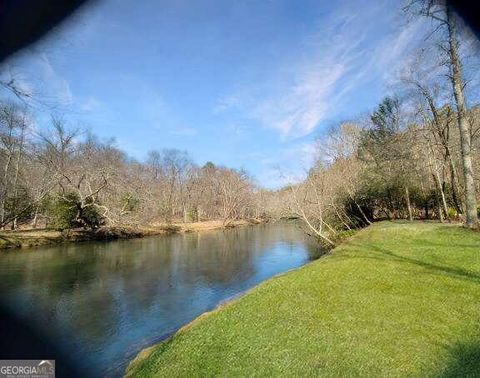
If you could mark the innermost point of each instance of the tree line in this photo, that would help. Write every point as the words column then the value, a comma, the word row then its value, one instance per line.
column 64, row 178
column 414, row 156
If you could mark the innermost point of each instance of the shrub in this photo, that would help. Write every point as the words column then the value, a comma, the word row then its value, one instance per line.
column 452, row 213
column 61, row 211
column 130, row 202
column 343, row 235
column 90, row 217
column 192, row 215
column 65, row 212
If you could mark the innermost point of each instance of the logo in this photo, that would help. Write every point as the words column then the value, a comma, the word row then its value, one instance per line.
column 27, row 368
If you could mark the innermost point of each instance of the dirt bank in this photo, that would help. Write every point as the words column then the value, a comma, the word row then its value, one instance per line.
column 41, row 237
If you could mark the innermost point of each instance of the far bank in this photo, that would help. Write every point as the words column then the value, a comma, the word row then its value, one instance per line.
column 41, row 237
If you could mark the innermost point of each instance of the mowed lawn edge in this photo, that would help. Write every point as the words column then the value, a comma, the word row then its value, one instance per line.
column 397, row 299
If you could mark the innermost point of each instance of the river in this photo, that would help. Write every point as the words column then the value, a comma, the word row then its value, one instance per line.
column 102, row 302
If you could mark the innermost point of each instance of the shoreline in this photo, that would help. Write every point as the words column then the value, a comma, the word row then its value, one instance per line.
column 200, row 341
column 26, row 239
column 147, row 351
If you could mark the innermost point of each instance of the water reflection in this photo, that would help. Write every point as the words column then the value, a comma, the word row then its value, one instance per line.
column 105, row 301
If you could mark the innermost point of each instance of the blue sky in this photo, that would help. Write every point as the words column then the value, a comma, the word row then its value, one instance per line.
column 243, row 83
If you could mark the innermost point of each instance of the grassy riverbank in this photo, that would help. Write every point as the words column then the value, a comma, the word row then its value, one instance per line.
column 40, row 237
column 397, row 299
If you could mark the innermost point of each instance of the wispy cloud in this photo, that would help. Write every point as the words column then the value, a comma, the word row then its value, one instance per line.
column 56, row 85
column 394, row 52
column 341, row 56
column 304, row 105
column 18, row 80
column 39, row 79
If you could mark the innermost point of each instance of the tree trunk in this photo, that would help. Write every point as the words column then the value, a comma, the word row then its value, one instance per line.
column 409, row 205
column 442, row 194
column 15, row 180
column 4, row 191
column 341, row 218
column 359, row 208
column 439, row 209
column 444, row 138
column 439, row 184
column 35, row 218
column 457, row 83
column 185, row 214
column 455, row 185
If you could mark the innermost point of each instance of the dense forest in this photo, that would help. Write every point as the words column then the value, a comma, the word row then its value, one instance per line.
column 413, row 156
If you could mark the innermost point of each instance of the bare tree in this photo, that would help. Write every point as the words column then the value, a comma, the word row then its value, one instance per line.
column 442, row 13
column 13, row 129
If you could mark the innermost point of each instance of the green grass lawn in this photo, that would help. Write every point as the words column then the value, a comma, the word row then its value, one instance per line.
column 397, row 299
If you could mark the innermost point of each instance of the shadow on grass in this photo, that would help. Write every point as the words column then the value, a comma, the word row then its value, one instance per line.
column 429, row 243
column 450, row 271
column 465, row 361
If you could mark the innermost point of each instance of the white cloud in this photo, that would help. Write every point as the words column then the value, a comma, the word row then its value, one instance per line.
column 394, row 52
column 305, row 104
column 342, row 55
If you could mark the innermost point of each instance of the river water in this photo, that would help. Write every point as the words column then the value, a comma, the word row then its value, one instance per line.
column 102, row 302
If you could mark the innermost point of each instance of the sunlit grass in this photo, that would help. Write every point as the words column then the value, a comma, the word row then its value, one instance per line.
column 397, row 299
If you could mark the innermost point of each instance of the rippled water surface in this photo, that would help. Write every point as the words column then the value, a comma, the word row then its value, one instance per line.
column 102, row 302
